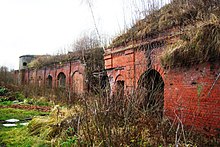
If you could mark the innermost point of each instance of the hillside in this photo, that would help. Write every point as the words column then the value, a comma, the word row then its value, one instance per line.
column 175, row 14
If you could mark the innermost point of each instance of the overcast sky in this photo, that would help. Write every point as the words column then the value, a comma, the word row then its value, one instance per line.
column 48, row 26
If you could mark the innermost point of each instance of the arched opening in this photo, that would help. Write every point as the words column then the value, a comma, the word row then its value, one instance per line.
column 49, row 81
column 151, row 89
column 78, row 83
column 24, row 63
column 40, row 81
column 120, row 86
column 61, row 80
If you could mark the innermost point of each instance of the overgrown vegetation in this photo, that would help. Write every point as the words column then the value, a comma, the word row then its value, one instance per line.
column 197, row 46
column 87, row 49
column 20, row 137
column 99, row 121
column 132, row 120
column 179, row 13
column 9, row 97
column 14, row 105
column 6, row 76
column 9, row 113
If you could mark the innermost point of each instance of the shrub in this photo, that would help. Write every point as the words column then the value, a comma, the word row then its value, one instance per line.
column 3, row 91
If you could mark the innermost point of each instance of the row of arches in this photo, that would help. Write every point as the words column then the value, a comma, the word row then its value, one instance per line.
column 77, row 81
column 150, row 87
column 61, row 80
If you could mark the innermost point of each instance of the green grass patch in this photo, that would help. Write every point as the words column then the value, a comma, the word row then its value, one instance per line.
column 8, row 113
column 6, row 103
column 37, row 102
column 20, row 137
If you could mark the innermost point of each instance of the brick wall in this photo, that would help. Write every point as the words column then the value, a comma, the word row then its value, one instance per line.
column 74, row 73
column 193, row 94
column 190, row 93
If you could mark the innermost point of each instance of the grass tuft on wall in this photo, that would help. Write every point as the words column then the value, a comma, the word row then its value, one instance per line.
column 202, row 45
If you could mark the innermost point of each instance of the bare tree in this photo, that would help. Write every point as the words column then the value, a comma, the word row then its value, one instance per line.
column 6, row 76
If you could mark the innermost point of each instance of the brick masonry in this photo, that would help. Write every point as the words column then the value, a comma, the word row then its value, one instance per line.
column 191, row 93
column 73, row 73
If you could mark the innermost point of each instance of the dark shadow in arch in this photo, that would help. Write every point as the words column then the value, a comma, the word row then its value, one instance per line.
column 61, row 80
column 151, row 90
column 120, row 85
column 24, row 63
column 49, row 81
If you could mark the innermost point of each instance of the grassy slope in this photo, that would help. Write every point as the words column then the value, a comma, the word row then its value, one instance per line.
column 18, row 136
column 8, row 113
column 175, row 14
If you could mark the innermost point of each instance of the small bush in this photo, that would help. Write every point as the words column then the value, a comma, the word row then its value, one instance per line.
column 3, row 91
column 19, row 96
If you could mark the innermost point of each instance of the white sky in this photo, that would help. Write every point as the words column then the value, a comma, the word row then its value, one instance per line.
column 49, row 26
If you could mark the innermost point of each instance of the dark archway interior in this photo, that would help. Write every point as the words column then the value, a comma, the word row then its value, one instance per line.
column 120, row 88
column 49, row 81
column 61, row 80
column 151, row 87
column 24, row 63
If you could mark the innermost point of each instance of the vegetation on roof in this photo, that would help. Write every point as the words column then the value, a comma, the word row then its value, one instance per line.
column 42, row 61
column 87, row 49
column 177, row 13
column 196, row 46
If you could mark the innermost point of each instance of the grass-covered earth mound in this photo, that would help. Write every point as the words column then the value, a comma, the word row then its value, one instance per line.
column 176, row 14
column 198, row 45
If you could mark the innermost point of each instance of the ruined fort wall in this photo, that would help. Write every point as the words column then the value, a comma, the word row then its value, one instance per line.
column 40, row 77
column 191, row 93
column 126, row 66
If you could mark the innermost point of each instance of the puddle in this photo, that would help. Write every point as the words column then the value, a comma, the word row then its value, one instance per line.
column 14, row 122
column 9, row 125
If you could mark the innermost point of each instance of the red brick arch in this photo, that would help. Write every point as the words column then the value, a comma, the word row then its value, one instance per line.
column 119, row 85
column 77, row 82
column 160, row 70
column 61, row 79
column 119, row 78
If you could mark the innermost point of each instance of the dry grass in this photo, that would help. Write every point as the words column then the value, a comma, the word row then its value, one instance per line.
column 202, row 45
column 119, row 121
column 41, row 61
column 52, row 128
column 175, row 14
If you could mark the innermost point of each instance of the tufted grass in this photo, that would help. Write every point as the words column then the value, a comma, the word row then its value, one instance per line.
column 203, row 45
column 8, row 113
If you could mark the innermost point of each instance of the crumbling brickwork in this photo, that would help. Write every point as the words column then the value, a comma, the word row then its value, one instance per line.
column 66, row 74
column 191, row 93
